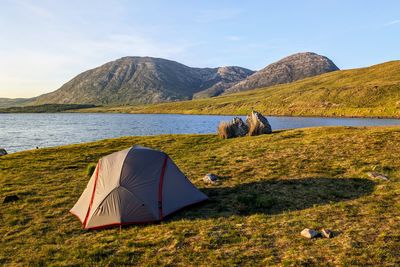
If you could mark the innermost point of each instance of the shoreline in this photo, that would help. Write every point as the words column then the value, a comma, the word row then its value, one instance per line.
column 182, row 135
column 210, row 114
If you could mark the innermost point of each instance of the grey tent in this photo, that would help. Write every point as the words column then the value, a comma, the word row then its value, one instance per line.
column 135, row 185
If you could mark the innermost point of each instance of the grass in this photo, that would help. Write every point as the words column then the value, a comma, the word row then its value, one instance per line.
column 272, row 187
column 46, row 108
column 364, row 92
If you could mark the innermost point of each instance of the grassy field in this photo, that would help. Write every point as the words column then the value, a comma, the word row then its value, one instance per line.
column 46, row 108
column 365, row 92
column 272, row 187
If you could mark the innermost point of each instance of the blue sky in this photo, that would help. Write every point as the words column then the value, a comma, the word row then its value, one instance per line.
column 43, row 44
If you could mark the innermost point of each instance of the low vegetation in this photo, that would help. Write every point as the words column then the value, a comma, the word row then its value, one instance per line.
column 224, row 129
column 46, row 108
column 271, row 188
column 234, row 128
column 365, row 92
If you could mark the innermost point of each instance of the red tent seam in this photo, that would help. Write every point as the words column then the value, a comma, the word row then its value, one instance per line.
column 92, row 198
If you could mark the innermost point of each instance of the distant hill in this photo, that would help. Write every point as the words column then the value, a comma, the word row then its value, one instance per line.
column 135, row 80
column 372, row 91
column 12, row 102
column 286, row 70
column 45, row 108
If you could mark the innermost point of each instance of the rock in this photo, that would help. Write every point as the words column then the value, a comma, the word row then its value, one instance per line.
column 11, row 198
column 3, row 152
column 376, row 175
column 234, row 128
column 258, row 124
column 326, row 233
column 241, row 128
column 210, row 178
column 309, row 233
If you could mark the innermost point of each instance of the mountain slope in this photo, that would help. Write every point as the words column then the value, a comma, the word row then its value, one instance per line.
column 372, row 91
column 141, row 80
column 227, row 77
column 286, row 70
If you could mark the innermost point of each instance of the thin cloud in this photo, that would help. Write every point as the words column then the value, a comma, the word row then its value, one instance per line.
column 213, row 15
column 35, row 9
column 393, row 22
column 233, row 38
column 20, row 75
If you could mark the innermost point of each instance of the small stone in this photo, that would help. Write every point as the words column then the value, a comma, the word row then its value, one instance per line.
column 3, row 152
column 309, row 233
column 11, row 198
column 376, row 175
column 210, row 178
column 326, row 233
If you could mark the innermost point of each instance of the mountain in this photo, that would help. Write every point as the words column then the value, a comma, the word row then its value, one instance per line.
column 366, row 92
column 226, row 78
column 286, row 70
column 143, row 80
column 134, row 80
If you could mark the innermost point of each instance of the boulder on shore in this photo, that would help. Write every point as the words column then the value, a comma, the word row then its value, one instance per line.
column 3, row 152
column 234, row 128
column 258, row 124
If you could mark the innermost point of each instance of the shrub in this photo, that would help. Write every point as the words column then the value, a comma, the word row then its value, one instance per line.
column 224, row 130
column 234, row 128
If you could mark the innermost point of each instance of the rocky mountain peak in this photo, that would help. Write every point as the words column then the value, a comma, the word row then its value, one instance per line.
column 289, row 69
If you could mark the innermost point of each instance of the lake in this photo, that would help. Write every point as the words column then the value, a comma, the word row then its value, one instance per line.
column 27, row 131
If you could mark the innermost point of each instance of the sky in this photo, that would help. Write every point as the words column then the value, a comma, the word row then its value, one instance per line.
column 43, row 44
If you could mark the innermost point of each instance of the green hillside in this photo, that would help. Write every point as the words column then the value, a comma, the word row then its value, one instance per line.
column 45, row 108
column 371, row 92
column 272, row 187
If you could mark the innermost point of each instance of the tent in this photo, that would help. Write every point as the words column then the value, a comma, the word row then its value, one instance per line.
column 135, row 185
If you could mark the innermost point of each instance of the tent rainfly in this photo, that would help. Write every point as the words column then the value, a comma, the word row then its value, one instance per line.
column 135, row 185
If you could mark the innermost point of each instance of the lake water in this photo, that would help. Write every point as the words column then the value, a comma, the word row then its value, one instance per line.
column 26, row 131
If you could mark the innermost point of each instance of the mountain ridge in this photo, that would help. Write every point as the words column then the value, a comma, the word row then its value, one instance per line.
column 286, row 70
column 146, row 80
column 138, row 80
